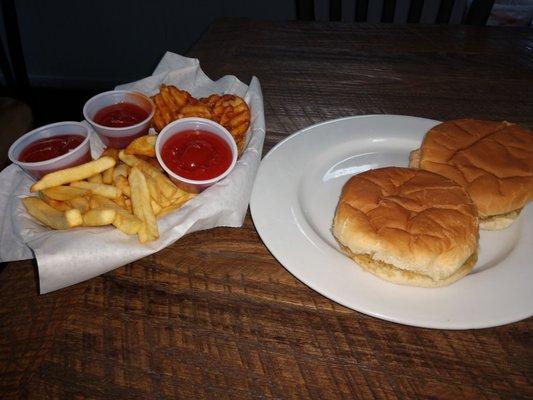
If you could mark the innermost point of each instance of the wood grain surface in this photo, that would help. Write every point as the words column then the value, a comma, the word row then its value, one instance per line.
column 215, row 316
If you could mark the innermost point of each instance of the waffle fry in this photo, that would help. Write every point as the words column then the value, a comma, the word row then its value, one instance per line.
column 228, row 110
column 168, row 103
column 195, row 108
column 211, row 100
column 233, row 113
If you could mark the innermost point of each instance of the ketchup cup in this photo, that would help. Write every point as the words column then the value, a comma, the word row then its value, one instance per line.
column 182, row 127
column 119, row 137
column 79, row 155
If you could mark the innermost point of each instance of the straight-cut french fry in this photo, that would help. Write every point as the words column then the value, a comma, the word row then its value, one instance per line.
column 68, row 175
column 142, row 208
column 95, row 178
column 93, row 202
column 156, row 208
column 127, row 202
column 110, row 152
column 50, row 216
column 63, row 193
column 143, row 146
column 99, row 217
column 123, row 185
column 120, row 170
column 177, row 204
column 58, row 205
column 155, row 193
column 102, row 189
column 121, row 201
column 125, row 221
column 165, row 185
column 107, row 176
column 81, row 203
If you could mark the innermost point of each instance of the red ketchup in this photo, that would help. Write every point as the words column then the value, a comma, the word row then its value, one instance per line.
column 48, row 148
column 196, row 154
column 120, row 115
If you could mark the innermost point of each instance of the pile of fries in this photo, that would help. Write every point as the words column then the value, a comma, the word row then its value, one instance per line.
column 228, row 110
column 125, row 188
column 128, row 188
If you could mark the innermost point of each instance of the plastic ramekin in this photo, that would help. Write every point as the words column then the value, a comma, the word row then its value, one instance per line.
column 119, row 137
column 194, row 123
column 77, row 156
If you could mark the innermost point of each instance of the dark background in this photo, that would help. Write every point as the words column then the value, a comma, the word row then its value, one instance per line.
column 98, row 44
column 73, row 49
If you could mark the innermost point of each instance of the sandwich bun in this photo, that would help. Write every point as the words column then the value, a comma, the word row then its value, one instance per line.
column 493, row 161
column 407, row 226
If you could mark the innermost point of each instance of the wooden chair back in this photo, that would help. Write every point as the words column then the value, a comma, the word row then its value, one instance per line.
column 473, row 12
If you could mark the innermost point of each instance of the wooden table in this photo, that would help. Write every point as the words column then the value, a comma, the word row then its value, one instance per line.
column 215, row 315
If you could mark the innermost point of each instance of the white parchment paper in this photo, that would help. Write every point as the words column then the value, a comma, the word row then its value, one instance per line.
column 68, row 257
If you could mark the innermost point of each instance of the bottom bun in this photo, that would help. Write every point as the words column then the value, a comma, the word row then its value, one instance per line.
column 414, row 159
column 497, row 222
column 390, row 273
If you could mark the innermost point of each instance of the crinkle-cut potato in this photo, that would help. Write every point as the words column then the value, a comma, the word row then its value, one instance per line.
column 195, row 108
column 211, row 100
column 228, row 110
column 168, row 103
column 233, row 113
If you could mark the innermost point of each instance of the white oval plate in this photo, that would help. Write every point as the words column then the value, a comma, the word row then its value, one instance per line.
column 293, row 203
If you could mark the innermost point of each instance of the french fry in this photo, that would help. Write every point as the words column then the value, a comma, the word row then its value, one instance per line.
column 155, row 193
column 140, row 201
column 180, row 202
column 99, row 217
column 98, row 188
column 120, row 170
column 50, row 216
column 125, row 221
column 144, row 146
column 121, row 201
column 58, row 205
column 127, row 202
column 179, row 194
column 93, row 201
column 81, row 203
column 63, row 193
column 95, row 178
column 156, row 208
column 123, row 185
column 165, row 185
column 68, row 175
column 154, row 163
column 110, row 152
column 107, row 176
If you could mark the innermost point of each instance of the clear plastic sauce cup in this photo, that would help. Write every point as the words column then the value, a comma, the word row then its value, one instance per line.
column 194, row 124
column 79, row 155
column 119, row 137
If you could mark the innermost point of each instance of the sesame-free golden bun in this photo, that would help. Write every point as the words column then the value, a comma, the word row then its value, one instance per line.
column 492, row 160
column 407, row 226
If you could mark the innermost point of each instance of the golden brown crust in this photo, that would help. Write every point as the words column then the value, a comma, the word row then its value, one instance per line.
column 492, row 160
column 413, row 219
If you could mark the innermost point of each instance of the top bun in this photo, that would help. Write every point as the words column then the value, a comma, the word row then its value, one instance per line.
column 414, row 220
column 492, row 160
